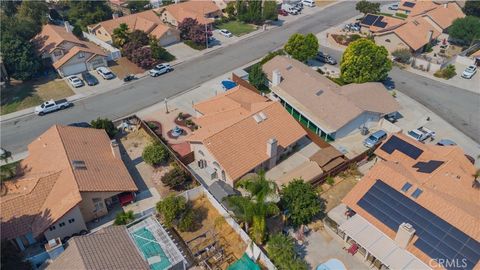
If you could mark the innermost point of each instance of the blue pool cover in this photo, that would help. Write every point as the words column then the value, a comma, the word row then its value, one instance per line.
column 228, row 84
column 332, row 264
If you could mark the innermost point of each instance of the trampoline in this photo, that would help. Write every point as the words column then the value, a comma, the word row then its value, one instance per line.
column 244, row 263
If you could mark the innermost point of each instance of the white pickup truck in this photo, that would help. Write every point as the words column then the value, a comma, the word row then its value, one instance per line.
column 421, row 134
column 52, row 105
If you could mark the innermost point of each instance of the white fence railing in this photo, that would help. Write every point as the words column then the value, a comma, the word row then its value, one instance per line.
column 112, row 52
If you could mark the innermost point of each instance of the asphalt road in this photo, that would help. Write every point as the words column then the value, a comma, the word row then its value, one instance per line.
column 17, row 133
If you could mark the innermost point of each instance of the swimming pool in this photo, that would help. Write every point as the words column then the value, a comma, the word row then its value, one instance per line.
column 156, row 257
column 244, row 263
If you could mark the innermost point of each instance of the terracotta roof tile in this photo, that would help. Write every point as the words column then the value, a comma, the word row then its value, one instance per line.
column 445, row 15
column 370, row 96
column 415, row 33
column 74, row 51
column 192, row 9
column 240, row 145
column 51, row 36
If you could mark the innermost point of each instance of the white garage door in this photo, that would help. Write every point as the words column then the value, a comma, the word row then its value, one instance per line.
column 168, row 39
column 73, row 69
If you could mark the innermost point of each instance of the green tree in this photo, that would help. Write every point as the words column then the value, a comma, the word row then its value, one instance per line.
column 154, row 154
column 472, row 8
column 281, row 249
column 175, row 178
column 366, row 7
column 139, row 37
column 402, row 55
column 254, row 12
column 302, row 47
column 77, row 31
column 364, row 61
column 171, row 208
column 241, row 8
column 35, row 10
column 85, row 13
column 187, row 220
column 256, row 77
column 159, row 53
column 120, row 35
column 466, row 29
column 256, row 206
column 124, row 218
column 301, row 202
column 19, row 57
column 138, row 5
column 9, row 8
column 270, row 10
column 11, row 258
column 106, row 124
column 230, row 9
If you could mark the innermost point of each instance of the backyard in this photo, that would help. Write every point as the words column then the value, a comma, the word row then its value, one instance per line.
column 22, row 95
column 237, row 28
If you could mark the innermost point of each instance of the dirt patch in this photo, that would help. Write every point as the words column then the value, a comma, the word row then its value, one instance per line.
column 123, row 67
column 211, row 228
column 335, row 193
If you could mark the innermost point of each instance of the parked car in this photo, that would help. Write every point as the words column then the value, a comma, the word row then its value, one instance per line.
column 291, row 9
column 446, row 142
column 160, row 69
column 80, row 124
column 352, row 27
column 469, row 72
column 421, row 134
column 106, row 73
column 282, row 12
column 375, row 138
column 89, row 78
column 325, row 58
column 308, row 3
column 51, row 106
column 393, row 7
column 225, row 33
column 75, row 81
column 389, row 83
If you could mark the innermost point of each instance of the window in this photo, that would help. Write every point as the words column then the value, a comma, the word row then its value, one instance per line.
column 417, row 193
column 98, row 204
column 57, row 53
column 72, row 220
column 406, row 187
column 52, row 228
column 81, row 55
column 61, row 224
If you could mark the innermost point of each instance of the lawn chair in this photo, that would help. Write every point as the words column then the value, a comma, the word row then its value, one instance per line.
column 353, row 249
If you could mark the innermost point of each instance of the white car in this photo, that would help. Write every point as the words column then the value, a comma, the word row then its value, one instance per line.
column 469, row 72
column 75, row 81
column 160, row 69
column 106, row 73
column 225, row 32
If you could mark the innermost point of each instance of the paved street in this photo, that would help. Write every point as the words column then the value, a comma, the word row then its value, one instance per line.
column 457, row 106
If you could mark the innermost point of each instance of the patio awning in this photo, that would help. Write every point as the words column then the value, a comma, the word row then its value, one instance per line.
column 337, row 214
column 380, row 245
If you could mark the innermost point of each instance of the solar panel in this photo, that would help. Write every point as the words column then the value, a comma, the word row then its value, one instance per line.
column 437, row 238
column 428, row 167
column 395, row 143
column 380, row 24
column 409, row 4
column 369, row 19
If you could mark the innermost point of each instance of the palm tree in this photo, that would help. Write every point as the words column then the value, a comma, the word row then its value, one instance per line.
column 256, row 206
column 120, row 35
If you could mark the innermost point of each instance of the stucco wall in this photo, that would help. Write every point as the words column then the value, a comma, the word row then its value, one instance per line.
column 102, row 34
column 170, row 37
column 368, row 118
column 87, row 206
column 97, row 61
column 68, row 227
column 202, row 153
column 391, row 41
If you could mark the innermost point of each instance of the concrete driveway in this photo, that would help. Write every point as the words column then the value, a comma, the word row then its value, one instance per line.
column 102, row 86
column 472, row 84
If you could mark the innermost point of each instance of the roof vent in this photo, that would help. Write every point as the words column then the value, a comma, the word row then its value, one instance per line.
column 79, row 165
column 263, row 116
column 416, row 23
column 319, row 93
column 289, row 67
column 257, row 118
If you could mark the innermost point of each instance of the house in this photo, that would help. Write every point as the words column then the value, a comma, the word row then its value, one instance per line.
column 71, row 176
column 146, row 21
column 241, row 132
column 417, row 208
column 329, row 110
column 204, row 12
column 68, row 54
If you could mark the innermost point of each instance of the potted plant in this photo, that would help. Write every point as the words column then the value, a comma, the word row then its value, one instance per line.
column 180, row 116
column 189, row 123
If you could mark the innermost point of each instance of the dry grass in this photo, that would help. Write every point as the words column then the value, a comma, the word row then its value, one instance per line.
column 122, row 67
column 334, row 194
column 22, row 95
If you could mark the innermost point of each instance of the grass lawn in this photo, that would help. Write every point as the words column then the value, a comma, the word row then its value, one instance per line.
column 237, row 28
column 18, row 95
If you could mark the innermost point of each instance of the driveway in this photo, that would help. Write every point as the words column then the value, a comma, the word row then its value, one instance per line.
column 181, row 51
column 472, row 84
column 102, row 86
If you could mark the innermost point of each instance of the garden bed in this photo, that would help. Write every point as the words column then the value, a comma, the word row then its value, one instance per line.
column 344, row 40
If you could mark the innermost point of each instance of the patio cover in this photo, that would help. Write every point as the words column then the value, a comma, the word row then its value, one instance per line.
column 337, row 214
column 380, row 245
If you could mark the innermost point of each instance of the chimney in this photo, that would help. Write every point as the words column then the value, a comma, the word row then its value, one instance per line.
column 404, row 234
column 54, row 248
column 272, row 152
column 68, row 27
column 276, row 77
column 445, row 5
column 115, row 15
column 429, row 35
column 115, row 149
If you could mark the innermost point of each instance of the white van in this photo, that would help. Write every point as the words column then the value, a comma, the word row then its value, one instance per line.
column 308, row 3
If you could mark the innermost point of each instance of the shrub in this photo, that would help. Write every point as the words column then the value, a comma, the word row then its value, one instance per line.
column 186, row 221
column 271, row 55
column 194, row 45
column 124, row 218
column 154, row 154
column 171, row 208
column 353, row 37
column 446, row 73
column 330, row 180
column 106, row 124
column 402, row 55
column 175, row 178
column 401, row 15
column 159, row 53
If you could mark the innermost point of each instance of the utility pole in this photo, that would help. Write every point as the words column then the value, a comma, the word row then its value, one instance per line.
column 206, row 36
column 166, row 105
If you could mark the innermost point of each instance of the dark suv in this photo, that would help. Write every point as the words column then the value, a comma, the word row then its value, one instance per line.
column 89, row 78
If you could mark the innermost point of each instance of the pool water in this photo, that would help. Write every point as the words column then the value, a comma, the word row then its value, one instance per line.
column 146, row 242
column 244, row 263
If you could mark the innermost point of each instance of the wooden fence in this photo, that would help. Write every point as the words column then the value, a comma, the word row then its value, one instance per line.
column 244, row 83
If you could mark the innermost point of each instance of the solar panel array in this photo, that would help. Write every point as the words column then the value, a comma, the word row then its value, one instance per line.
column 369, row 19
column 428, row 167
column 437, row 238
column 395, row 143
column 409, row 4
column 379, row 23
